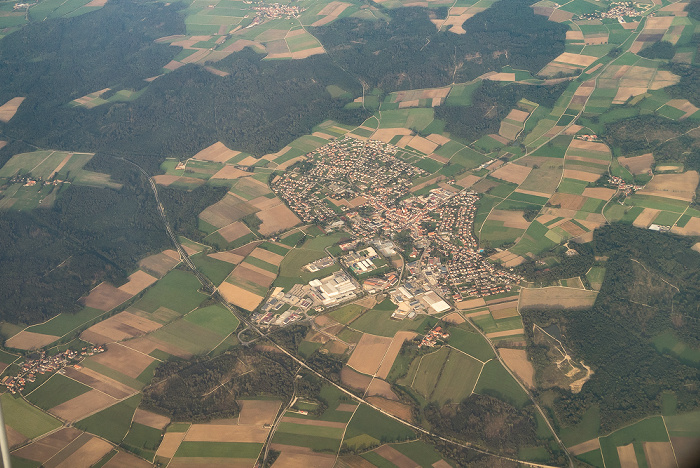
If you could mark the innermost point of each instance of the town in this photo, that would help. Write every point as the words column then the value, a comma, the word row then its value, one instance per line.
column 363, row 188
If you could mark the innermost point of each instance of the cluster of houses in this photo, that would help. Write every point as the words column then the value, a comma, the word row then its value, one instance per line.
column 46, row 364
column 433, row 337
column 342, row 169
column 623, row 186
column 617, row 10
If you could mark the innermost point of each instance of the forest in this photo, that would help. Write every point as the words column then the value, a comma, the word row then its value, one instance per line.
column 615, row 336
column 408, row 52
column 51, row 257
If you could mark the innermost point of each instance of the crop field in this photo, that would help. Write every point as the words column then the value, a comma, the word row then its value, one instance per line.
column 177, row 291
column 190, row 338
column 369, row 353
column 496, row 381
column 556, row 297
column 229, row 209
column 647, row 431
column 112, row 423
column 471, row 343
column 25, row 419
column 369, row 422
column 58, row 389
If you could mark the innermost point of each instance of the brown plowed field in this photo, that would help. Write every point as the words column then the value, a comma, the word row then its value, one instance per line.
column 123, row 326
column 394, row 456
column 149, row 419
column 87, row 455
column 169, row 445
column 354, row 379
column 278, row 218
column 517, row 361
column 382, row 389
column 263, row 279
column 160, row 263
column 556, row 297
column 239, row 296
column 226, row 433
column 30, row 340
column 659, row 454
column 267, row 256
column 206, row 462
column 628, row 459
column 126, row 460
column 584, row 447
column 124, row 360
column 43, row 449
column 105, row 297
column 100, row 382
column 83, row 405
column 218, row 152
column 228, row 257
column 138, row 281
column 393, row 351
column 304, row 460
column 314, row 422
column 369, row 353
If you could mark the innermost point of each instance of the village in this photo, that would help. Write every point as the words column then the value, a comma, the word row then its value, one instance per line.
column 362, row 188
column 617, row 11
column 46, row 364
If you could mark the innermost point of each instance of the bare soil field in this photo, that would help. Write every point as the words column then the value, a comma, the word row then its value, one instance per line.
column 239, row 296
column 686, row 450
column 453, row 318
column 169, row 445
column 516, row 331
column 382, row 389
column 393, row 351
column 165, row 179
column 659, row 454
column 645, row 218
column 234, row 231
column 575, row 59
column 258, row 412
column 246, row 249
column 138, row 281
column 126, row 460
column 422, row 144
column 628, row 459
column 218, row 152
column 600, row 193
column 276, row 219
column 437, row 138
column 302, row 54
column 304, row 460
column 314, row 422
column 572, row 228
column 227, row 210
column 105, row 297
column 100, row 382
column 149, row 419
column 512, row 219
column 504, row 312
column 354, row 379
column 30, row 340
column 86, row 456
column 267, row 256
column 229, row 172
column 637, row 164
column 9, row 109
column 396, row 408
column 589, row 146
column 517, row 361
column 228, row 257
column 160, row 264
column 692, row 228
column 581, row 175
column 512, row 173
column 394, row 456
column 226, row 433
column 369, row 353
column 674, row 186
column 560, row 16
column 263, row 203
column 386, row 134
column 207, row 462
column 470, row 304
column 567, row 201
column 584, row 447
column 253, row 274
column 83, row 405
column 43, row 449
column 124, row 360
column 356, row 461
column 347, row 407
column 556, row 297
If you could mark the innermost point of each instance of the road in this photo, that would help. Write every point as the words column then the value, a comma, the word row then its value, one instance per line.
column 210, row 287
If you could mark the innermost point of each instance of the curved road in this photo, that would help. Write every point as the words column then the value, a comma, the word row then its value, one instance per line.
column 210, row 287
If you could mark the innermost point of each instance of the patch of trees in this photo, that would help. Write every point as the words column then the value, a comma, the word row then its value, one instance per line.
column 693, row 10
column 615, row 336
column 51, row 257
column 567, row 266
column 491, row 102
column 658, row 50
column 182, row 207
column 485, row 421
column 206, row 388
column 689, row 86
column 408, row 52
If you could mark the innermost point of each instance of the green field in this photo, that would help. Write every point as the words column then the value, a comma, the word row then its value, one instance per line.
column 215, row 270
column 112, row 423
column 471, row 343
column 143, row 437
column 379, row 322
column 374, row 424
column 58, row 389
column 219, row 449
column 647, row 430
column 496, row 381
column 588, row 428
column 423, row 454
column 62, row 324
column 346, row 313
column 178, row 291
column 29, row 421
column 190, row 337
column 215, row 318
column 310, row 430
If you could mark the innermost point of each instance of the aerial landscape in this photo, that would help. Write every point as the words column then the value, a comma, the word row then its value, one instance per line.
column 350, row 233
